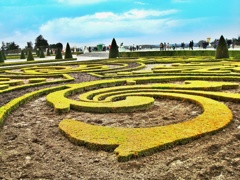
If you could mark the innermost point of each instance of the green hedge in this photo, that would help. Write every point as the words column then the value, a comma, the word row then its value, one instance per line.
column 234, row 54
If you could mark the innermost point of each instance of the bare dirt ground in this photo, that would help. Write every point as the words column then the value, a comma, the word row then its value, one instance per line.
column 32, row 147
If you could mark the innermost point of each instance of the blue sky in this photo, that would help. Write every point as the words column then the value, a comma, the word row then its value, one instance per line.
column 89, row 22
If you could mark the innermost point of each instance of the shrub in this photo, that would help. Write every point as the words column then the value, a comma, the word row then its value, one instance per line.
column 58, row 54
column 37, row 53
column 68, row 53
column 114, row 53
column 22, row 55
column 48, row 52
column 4, row 56
column 1, row 57
column 41, row 54
column 30, row 56
column 222, row 49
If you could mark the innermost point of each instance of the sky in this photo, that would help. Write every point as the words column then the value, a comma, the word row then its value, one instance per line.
column 92, row 22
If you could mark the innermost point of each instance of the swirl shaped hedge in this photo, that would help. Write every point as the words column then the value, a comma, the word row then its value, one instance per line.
column 126, row 142
column 124, row 88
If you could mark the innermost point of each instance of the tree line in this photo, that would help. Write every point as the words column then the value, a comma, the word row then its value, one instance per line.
column 40, row 43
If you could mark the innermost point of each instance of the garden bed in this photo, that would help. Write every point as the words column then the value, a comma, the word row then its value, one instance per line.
column 32, row 147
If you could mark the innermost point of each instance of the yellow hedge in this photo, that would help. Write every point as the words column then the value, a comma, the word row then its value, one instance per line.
column 129, row 143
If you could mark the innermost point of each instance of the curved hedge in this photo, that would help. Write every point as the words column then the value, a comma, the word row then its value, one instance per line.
column 136, row 90
column 130, row 143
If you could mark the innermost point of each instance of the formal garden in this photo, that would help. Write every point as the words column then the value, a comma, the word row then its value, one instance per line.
column 155, row 115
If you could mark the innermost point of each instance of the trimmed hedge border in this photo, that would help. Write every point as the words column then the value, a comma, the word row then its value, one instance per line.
column 67, row 77
column 135, row 91
column 234, row 54
column 130, row 143
column 87, row 103
column 33, row 62
column 15, row 103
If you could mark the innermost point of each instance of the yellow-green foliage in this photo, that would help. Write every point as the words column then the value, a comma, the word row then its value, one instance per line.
column 129, row 143
column 178, row 66
column 130, row 85
column 130, row 82
column 63, row 104
column 4, row 86
column 87, row 103
column 37, row 80
column 12, row 82
column 15, row 103
column 7, row 85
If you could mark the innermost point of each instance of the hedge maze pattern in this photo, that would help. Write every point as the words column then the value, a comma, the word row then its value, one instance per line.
column 128, row 85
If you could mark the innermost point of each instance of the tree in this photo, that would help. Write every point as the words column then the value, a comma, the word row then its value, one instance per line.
column 40, row 42
column 22, row 55
column 30, row 56
column 58, row 54
column 68, row 53
column 59, row 46
column 29, row 45
column 4, row 47
column 11, row 46
column 56, row 46
column 114, row 53
column 222, row 49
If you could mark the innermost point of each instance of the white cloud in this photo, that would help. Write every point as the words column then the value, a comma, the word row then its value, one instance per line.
column 104, row 25
column 80, row 2
column 21, row 38
column 181, row 1
column 140, row 3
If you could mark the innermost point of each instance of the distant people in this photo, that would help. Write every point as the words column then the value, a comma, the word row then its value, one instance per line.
column 168, row 46
column 137, row 47
column 161, row 46
column 165, row 46
column 191, row 45
column 205, row 44
column 89, row 49
column 134, row 47
column 229, row 43
column 183, row 45
column 175, row 46
column 104, row 48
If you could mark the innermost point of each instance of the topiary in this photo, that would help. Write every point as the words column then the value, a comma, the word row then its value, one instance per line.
column 42, row 55
column 30, row 56
column 22, row 55
column 222, row 49
column 58, row 54
column 1, row 57
column 37, row 53
column 4, row 56
column 48, row 52
column 114, row 53
column 68, row 53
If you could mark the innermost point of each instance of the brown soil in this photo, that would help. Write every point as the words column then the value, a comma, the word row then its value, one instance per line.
column 32, row 147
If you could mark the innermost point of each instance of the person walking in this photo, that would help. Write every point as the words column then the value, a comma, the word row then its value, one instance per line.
column 161, row 46
column 164, row 46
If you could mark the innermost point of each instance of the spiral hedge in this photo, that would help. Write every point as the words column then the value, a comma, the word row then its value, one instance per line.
column 129, row 85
